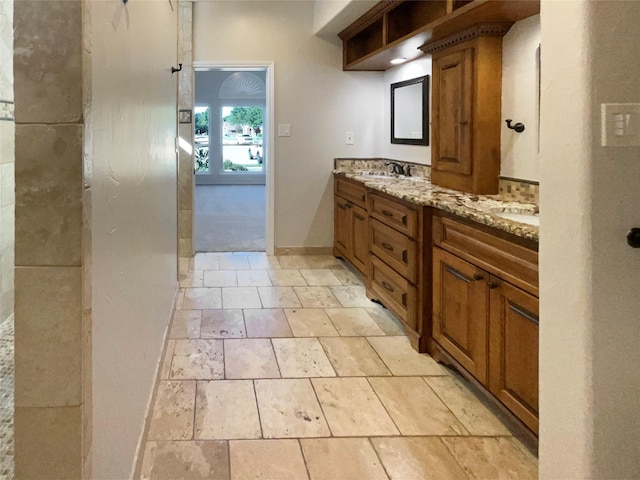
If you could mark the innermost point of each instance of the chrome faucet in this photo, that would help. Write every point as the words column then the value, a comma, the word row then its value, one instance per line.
column 396, row 167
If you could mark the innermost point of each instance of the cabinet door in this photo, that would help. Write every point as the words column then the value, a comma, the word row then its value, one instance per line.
column 341, row 241
column 513, row 376
column 452, row 111
column 460, row 314
column 360, row 239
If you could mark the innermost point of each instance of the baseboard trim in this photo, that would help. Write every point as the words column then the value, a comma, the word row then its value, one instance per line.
column 303, row 250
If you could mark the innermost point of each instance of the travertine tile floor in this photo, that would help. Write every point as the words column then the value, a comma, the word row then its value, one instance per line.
column 280, row 368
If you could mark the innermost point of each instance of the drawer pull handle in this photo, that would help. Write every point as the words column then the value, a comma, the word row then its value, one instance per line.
column 478, row 276
column 528, row 315
column 358, row 216
column 387, row 286
column 343, row 207
column 492, row 285
column 387, row 213
column 386, row 246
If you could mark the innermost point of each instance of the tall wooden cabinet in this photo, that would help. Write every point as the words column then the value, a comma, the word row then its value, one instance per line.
column 466, row 109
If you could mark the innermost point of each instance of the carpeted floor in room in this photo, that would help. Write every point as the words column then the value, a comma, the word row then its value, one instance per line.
column 230, row 218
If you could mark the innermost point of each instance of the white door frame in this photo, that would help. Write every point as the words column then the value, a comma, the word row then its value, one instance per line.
column 269, row 164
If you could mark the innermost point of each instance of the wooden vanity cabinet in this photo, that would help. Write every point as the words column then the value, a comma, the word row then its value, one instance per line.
column 351, row 224
column 485, row 310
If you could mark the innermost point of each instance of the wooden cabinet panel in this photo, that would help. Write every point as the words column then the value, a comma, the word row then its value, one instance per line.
column 355, row 193
column 360, row 256
column 513, row 262
column 460, row 296
column 452, row 122
column 341, row 228
column 395, row 249
column 394, row 214
column 513, row 376
column 395, row 292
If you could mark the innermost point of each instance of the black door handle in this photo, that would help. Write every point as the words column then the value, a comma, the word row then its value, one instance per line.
column 633, row 237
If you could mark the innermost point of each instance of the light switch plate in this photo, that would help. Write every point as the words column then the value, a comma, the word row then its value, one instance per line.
column 284, row 130
column 620, row 124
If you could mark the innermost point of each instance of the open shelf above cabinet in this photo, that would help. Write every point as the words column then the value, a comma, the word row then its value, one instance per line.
column 397, row 28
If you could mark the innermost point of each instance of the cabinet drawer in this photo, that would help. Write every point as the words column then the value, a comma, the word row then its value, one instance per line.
column 395, row 214
column 353, row 192
column 508, row 260
column 395, row 249
column 395, row 292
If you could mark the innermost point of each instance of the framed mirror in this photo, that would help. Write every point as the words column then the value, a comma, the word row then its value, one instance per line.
column 410, row 111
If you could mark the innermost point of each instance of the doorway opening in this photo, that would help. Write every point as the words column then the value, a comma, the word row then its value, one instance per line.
column 231, row 159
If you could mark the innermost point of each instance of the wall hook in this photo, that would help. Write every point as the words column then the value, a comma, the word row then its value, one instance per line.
column 518, row 127
column 174, row 69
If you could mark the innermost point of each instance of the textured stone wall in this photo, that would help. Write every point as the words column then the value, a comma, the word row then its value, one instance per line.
column 49, row 116
column 7, row 160
column 185, row 131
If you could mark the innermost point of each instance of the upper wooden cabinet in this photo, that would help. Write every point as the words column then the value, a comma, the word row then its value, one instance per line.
column 452, row 112
column 466, row 109
column 396, row 28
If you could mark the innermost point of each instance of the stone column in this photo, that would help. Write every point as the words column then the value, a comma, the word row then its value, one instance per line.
column 186, row 178
column 51, row 333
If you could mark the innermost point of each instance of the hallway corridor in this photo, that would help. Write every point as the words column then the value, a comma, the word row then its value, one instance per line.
column 280, row 368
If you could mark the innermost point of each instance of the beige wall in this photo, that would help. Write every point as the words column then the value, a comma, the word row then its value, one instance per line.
column 312, row 94
column 519, row 151
column 134, row 222
column 589, row 276
column 332, row 16
column 7, row 161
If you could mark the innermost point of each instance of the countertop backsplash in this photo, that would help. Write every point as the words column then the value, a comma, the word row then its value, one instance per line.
column 510, row 189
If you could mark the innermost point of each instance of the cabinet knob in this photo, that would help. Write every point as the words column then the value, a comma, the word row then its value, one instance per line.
column 633, row 237
column 478, row 276
column 492, row 285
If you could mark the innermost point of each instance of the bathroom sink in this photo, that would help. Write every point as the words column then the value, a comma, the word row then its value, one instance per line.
column 528, row 216
column 378, row 175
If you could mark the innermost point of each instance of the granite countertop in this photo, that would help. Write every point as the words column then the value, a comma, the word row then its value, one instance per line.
column 480, row 208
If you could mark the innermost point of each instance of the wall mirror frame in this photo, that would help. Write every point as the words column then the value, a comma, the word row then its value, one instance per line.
column 410, row 111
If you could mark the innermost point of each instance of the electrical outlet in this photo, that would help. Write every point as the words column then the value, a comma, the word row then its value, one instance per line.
column 349, row 139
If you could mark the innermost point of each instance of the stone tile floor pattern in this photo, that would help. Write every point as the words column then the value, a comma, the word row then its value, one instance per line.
column 280, row 368
column 6, row 398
